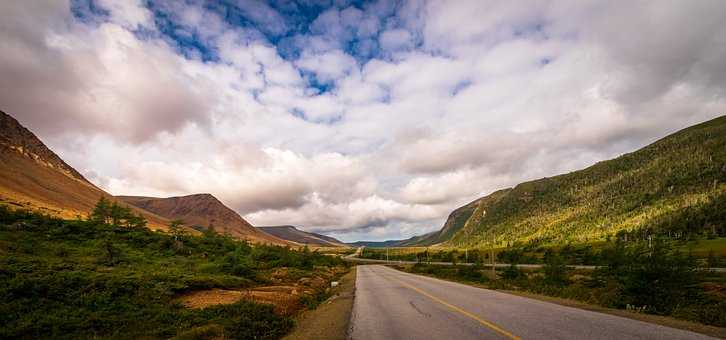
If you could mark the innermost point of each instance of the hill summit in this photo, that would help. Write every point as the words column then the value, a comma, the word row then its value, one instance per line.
column 201, row 212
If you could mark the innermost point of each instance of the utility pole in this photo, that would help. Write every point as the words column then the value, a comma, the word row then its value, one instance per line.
column 386, row 254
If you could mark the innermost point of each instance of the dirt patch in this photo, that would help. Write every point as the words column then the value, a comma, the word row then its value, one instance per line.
column 330, row 320
column 285, row 299
column 285, row 295
column 206, row 298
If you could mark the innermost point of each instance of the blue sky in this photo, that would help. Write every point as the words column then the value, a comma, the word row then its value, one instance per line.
column 359, row 119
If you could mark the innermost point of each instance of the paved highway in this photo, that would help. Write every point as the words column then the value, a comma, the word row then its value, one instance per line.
column 390, row 304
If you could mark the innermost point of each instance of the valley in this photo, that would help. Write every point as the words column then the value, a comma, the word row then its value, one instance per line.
column 643, row 232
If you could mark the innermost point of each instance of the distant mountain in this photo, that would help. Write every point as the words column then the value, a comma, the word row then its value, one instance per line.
column 421, row 240
column 290, row 233
column 34, row 177
column 202, row 211
column 677, row 185
column 376, row 244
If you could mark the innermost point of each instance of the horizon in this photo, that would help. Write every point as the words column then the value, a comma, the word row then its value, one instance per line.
column 363, row 121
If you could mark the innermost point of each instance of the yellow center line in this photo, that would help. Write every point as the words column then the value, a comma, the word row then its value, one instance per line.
column 457, row 309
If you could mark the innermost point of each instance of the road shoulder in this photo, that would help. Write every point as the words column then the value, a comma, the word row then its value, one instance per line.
column 330, row 320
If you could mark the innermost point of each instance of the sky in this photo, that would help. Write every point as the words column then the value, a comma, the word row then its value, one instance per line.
column 361, row 120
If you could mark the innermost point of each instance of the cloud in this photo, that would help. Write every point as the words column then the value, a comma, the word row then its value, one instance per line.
column 395, row 39
column 329, row 66
column 100, row 79
column 369, row 120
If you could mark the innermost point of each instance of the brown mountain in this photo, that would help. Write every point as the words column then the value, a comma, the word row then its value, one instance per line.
column 200, row 211
column 34, row 177
column 290, row 233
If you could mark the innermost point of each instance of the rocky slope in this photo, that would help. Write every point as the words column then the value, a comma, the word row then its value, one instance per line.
column 34, row 177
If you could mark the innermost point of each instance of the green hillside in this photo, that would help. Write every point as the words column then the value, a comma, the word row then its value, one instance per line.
column 675, row 186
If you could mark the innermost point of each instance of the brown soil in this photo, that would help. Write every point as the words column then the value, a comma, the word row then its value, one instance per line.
column 284, row 298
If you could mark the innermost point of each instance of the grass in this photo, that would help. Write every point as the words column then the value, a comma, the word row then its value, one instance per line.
column 78, row 279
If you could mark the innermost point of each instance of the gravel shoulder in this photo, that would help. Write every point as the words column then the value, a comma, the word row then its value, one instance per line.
column 330, row 320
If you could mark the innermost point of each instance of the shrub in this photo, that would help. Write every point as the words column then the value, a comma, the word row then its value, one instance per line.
column 471, row 273
column 512, row 272
column 555, row 270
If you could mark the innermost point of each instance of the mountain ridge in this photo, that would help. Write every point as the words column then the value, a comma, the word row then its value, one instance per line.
column 293, row 234
column 201, row 212
column 33, row 177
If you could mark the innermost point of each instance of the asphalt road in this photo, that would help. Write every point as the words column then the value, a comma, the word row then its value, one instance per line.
column 390, row 304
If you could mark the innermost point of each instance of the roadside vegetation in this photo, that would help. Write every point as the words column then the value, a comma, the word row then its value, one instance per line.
column 110, row 277
column 653, row 277
column 707, row 250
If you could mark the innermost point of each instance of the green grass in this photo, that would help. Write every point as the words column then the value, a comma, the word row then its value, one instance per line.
column 78, row 279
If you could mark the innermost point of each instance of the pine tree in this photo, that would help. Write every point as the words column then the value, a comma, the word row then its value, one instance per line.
column 175, row 228
column 101, row 212
column 136, row 221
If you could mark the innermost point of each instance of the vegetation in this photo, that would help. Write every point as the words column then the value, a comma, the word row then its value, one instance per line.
column 105, row 277
column 653, row 277
column 672, row 188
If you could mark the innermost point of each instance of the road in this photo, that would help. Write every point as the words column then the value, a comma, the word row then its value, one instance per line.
column 390, row 304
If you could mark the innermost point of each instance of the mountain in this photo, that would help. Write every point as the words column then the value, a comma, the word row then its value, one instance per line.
column 676, row 185
column 290, row 233
column 376, row 244
column 421, row 240
column 34, row 177
column 202, row 211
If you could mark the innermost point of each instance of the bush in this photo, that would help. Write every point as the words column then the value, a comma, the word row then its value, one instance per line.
column 471, row 273
column 512, row 273
column 659, row 277
column 555, row 270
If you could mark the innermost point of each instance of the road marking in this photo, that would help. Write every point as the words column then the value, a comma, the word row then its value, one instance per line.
column 457, row 309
